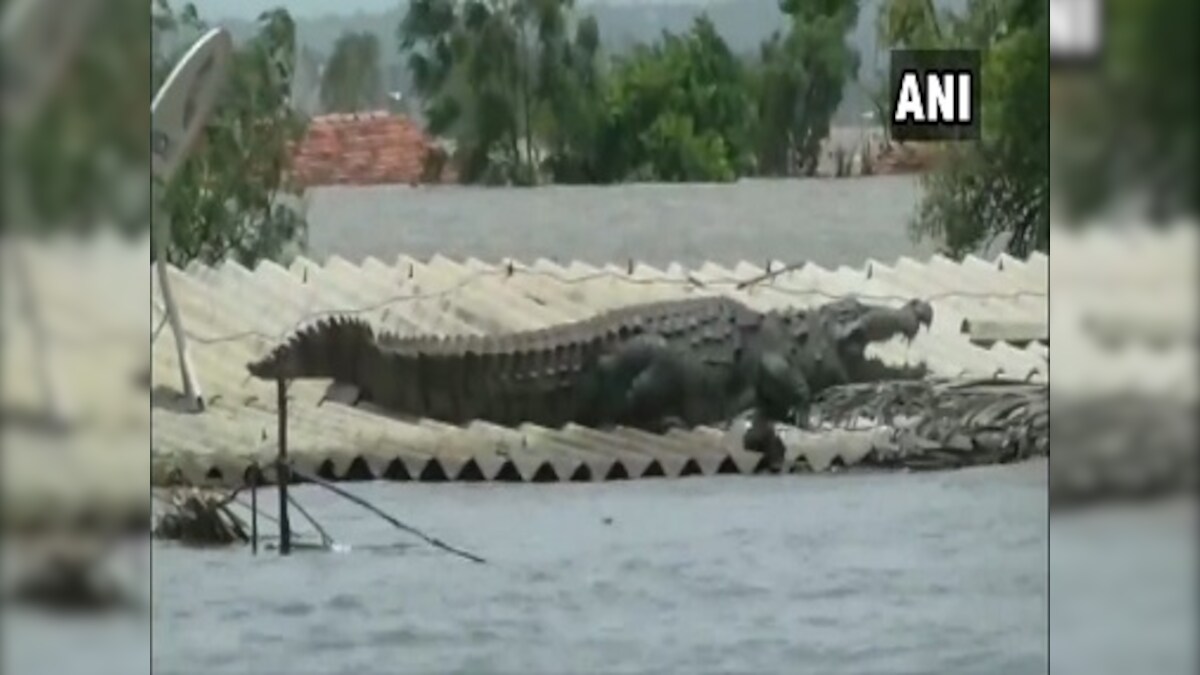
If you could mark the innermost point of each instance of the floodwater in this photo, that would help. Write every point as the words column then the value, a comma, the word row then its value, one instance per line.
column 828, row 221
column 895, row 573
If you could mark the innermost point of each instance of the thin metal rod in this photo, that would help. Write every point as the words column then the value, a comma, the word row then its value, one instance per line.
column 254, row 511
column 264, row 515
column 158, row 329
column 285, row 529
column 47, row 373
column 433, row 541
column 191, row 388
column 326, row 540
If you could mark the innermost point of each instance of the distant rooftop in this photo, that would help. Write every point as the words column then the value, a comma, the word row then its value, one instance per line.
column 369, row 148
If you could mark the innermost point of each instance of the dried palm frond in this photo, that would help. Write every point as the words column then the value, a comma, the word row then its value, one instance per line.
column 199, row 517
column 935, row 424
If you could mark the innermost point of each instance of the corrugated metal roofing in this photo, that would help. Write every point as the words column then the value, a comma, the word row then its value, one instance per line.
column 236, row 314
column 90, row 295
column 1124, row 312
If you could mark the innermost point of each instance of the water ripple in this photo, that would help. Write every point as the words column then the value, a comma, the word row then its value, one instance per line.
column 691, row 578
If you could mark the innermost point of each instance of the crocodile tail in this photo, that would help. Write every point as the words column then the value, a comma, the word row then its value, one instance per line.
column 331, row 348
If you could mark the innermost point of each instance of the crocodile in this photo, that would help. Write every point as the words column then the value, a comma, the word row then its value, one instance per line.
column 653, row 366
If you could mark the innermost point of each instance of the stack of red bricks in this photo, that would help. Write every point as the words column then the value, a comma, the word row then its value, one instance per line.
column 373, row 148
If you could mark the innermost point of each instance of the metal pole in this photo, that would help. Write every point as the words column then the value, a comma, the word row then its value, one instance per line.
column 254, row 510
column 285, row 529
column 47, row 373
column 326, row 540
column 191, row 389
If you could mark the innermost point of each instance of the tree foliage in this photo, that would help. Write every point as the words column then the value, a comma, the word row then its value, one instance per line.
column 1126, row 132
column 480, row 67
column 353, row 79
column 81, row 163
column 571, row 85
column 800, row 86
column 997, row 187
column 232, row 197
column 677, row 111
column 522, row 88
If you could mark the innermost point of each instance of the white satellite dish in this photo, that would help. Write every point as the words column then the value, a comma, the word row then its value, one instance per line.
column 39, row 39
column 182, row 107
column 178, row 115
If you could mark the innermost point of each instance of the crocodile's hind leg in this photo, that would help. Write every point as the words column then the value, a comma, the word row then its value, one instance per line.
column 653, row 399
column 637, row 384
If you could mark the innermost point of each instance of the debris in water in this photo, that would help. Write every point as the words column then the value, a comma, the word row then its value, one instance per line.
column 199, row 517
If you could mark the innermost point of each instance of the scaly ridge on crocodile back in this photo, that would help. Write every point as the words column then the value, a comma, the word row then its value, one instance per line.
column 550, row 376
column 538, row 376
column 331, row 348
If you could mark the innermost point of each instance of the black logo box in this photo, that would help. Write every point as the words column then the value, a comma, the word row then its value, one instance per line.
column 922, row 62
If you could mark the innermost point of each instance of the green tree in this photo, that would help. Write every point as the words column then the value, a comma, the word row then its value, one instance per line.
column 801, row 80
column 81, row 162
column 570, row 90
column 352, row 79
column 1127, row 129
column 232, row 197
column 473, row 62
column 677, row 111
column 522, row 88
column 998, row 186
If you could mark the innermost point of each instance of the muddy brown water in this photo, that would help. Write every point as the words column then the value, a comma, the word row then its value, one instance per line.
column 897, row 573
column 829, row 221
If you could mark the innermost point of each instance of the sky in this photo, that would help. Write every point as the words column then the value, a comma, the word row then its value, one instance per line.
column 249, row 9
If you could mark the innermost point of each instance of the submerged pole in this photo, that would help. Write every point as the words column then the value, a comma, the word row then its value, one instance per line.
column 254, row 509
column 326, row 540
column 281, row 468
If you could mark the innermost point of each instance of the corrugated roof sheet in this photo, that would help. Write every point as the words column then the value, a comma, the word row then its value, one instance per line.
column 1124, row 312
column 88, row 294
column 369, row 148
column 236, row 314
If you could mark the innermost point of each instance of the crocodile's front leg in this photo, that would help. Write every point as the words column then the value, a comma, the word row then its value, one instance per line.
column 780, row 394
column 762, row 437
